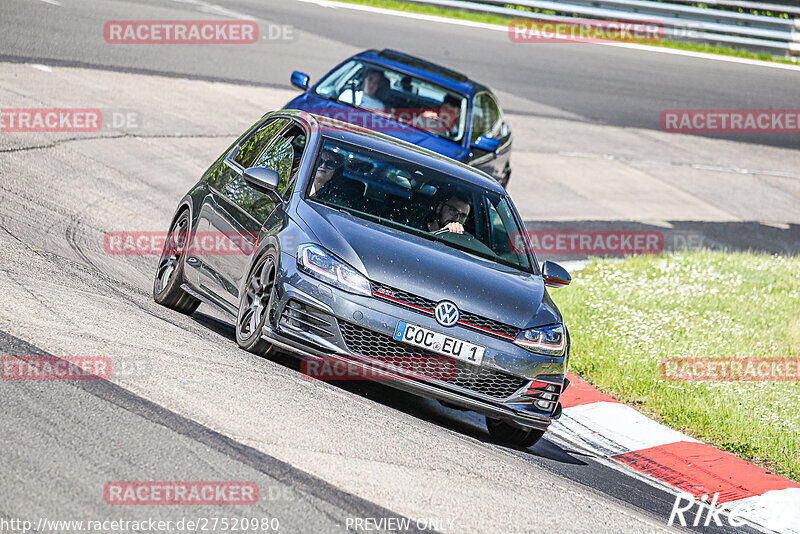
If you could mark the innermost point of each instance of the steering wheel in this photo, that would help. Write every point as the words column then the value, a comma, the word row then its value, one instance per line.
column 460, row 237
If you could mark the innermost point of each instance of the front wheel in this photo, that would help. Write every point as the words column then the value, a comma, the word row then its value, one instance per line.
column 254, row 307
column 169, row 273
column 503, row 432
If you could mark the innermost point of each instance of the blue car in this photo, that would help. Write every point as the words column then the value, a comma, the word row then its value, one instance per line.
column 417, row 101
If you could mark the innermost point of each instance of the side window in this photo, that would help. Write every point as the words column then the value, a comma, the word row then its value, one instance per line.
column 509, row 247
column 277, row 145
column 255, row 144
column 495, row 119
column 497, row 230
column 478, row 121
column 283, row 155
column 486, row 117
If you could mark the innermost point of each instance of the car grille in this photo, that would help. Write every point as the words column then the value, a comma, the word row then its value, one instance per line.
column 423, row 305
column 383, row 348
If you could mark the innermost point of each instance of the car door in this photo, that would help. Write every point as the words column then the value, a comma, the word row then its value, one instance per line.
column 240, row 211
column 488, row 121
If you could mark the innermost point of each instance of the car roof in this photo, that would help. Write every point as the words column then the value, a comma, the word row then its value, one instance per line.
column 422, row 68
column 379, row 142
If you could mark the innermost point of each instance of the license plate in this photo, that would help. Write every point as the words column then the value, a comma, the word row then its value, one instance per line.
column 438, row 343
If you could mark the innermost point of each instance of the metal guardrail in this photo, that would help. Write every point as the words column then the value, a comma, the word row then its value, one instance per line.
column 680, row 22
column 789, row 9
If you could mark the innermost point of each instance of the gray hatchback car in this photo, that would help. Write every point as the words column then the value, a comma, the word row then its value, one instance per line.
column 363, row 253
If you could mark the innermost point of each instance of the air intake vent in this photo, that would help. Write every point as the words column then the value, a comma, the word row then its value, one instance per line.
column 300, row 316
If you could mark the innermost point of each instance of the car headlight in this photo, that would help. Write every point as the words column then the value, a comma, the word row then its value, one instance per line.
column 546, row 340
column 321, row 264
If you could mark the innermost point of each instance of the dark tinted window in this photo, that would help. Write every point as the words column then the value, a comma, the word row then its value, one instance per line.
column 486, row 117
column 254, row 145
column 283, row 154
column 417, row 200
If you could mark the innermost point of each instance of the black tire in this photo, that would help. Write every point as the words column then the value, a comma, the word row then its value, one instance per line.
column 506, row 433
column 169, row 272
column 254, row 305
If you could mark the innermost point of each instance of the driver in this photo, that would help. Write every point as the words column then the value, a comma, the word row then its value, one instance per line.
column 329, row 169
column 450, row 214
column 447, row 117
column 330, row 184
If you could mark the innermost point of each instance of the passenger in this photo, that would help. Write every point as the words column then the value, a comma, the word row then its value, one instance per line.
column 451, row 214
column 374, row 81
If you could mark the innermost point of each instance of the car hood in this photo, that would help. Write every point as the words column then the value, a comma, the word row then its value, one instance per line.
column 330, row 108
column 431, row 269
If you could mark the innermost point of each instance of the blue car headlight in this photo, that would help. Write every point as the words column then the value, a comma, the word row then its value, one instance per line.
column 545, row 340
column 322, row 265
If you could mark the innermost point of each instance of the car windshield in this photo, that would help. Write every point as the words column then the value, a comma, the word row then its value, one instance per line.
column 418, row 200
column 404, row 98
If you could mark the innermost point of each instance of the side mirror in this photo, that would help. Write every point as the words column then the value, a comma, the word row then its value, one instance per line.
column 264, row 180
column 300, row 80
column 555, row 275
column 486, row 143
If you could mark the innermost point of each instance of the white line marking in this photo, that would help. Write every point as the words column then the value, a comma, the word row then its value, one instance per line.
column 495, row 27
column 212, row 9
column 620, row 424
column 697, row 166
column 43, row 68
column 52, row 2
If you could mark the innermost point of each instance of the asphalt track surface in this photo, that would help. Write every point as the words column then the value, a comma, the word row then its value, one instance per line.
column 186, row 403
column 588, row 152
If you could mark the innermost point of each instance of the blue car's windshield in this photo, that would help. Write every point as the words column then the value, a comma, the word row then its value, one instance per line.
column 410, row 100
column 418, row 200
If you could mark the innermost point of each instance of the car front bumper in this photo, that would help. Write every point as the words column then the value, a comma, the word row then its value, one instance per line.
column 318, row 322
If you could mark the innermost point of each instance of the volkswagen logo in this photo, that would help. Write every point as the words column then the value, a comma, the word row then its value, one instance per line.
column 447, row 313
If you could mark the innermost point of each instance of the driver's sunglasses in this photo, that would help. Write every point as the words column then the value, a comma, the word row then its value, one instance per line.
column 460, row 215
column 329, row 164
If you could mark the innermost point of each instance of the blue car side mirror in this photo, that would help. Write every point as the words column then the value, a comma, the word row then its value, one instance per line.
column 300, row 79
column 486, row 143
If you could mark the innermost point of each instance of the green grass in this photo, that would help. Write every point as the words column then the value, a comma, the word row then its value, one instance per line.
column 503, row 21
column 627, row 315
